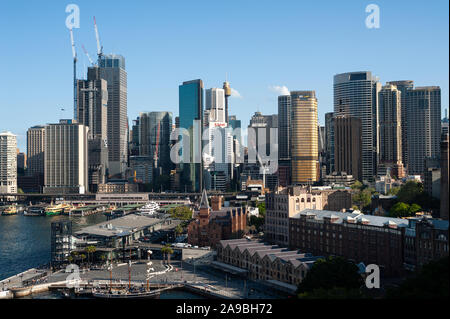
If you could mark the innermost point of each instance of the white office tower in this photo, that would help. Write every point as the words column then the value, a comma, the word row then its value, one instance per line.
column 66, row 158
column 8, row 163
column 215, row 105
column 218, row 156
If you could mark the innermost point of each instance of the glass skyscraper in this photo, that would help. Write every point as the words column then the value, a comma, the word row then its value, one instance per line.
column 356, row 95
column 112, row 69
column 190, row 118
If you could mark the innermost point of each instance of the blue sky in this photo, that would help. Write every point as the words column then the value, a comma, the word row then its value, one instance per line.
column 259, row 44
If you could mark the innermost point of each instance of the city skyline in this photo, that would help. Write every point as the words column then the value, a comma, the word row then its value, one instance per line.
column 156, row 66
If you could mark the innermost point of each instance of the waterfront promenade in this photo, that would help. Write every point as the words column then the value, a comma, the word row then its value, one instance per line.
column 200, row 278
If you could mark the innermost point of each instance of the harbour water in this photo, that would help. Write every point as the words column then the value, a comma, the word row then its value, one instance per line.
column 25, row 240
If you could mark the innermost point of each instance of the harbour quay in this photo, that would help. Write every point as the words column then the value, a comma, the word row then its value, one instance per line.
column 113, row 239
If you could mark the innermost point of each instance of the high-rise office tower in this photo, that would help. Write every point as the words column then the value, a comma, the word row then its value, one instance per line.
column 66, row 158
column 8, row 163
column 444, row 176
column 134, row 140
column 356, row 95
column 424, row 126
column 284, row 127
column 348, row 145
column 403, row 87
column 191, row 119
column 112, row 69
column 218, row 154
column 390, row 122
column 284, row 141
column 261, row 148
column 154, row 139
column 329, row 142
column 304, row 138
column 215, row 105
column 92, row 111
column 35, row 150
column 92, row 104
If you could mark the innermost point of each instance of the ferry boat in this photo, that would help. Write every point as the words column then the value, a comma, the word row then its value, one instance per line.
column 34, row 211
column 67, row 209
column 53, row 210
column 9, row 210
column 149, row 209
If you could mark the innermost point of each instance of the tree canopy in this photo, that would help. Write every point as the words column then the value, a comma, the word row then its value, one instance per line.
column 181, row 212
column 431, row 282
column 332, row 273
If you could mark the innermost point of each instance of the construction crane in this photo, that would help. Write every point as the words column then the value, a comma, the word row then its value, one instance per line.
column 74, row 54
column 99, row 47
column 156, row 155
column 87, row 54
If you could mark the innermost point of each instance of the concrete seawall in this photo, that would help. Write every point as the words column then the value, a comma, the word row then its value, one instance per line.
column 22, row 292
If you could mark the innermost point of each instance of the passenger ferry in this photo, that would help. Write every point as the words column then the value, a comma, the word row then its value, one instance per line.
column 149, row 209
column 53, row 210
column 10, row 210
column 34, row 211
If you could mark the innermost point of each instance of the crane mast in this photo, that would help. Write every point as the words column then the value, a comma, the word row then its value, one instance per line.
column 74, row 54
column 87, row 54
column 99, row 47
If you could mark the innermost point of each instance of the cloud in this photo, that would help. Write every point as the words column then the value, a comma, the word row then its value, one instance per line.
column 236, row 94
column 280, row 90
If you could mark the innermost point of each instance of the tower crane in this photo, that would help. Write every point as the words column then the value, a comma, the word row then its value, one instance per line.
column 87, row 54
column 75, row 59
column 156, row 155
column 99, row 47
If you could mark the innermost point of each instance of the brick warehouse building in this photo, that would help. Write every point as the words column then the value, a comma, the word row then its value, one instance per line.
column 212, row 225
column 369, row 239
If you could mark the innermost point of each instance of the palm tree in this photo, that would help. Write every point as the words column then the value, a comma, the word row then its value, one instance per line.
column 167, row 251
column 75, row 255
column 90, row 250
column 82, row 256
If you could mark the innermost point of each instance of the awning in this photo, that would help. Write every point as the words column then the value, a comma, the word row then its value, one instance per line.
column 228, row 268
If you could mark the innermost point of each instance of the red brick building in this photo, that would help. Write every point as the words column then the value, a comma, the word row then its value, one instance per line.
column 361, row 238
column 212, row 225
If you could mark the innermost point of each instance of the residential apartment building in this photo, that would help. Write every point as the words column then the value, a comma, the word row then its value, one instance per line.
column 66, row 158
column 8, row 163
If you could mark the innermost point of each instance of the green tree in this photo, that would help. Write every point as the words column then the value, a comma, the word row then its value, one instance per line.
column 181, row 212
column 330, row 273
column 357, row 185
column 400, row 210
column 179, row 229
column 82, row 256
column 393, row 191
column 167, row 251
column 362, row 198
column 258, row 222
column 414, row 208
column 409, row 192
column 431, row 282
column 262, row 209
column 90, row 250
